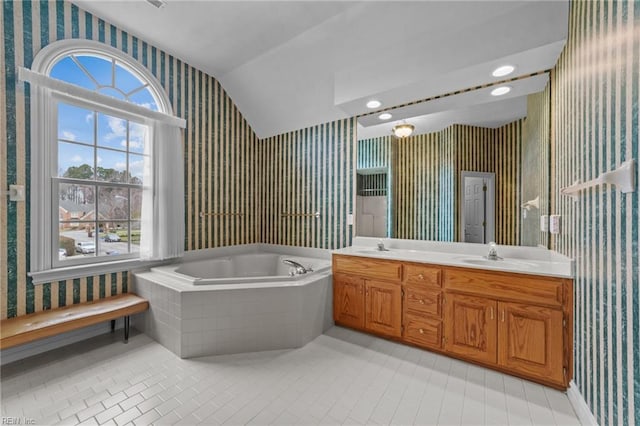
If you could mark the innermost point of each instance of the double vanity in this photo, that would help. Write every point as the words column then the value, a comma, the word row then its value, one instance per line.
column 513, row 314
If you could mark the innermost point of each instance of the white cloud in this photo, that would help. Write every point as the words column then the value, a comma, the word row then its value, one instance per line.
column 118, row 128
column 69, row 135
column 148, row 105
column 89, row 117
column 99, row 159
column 137, row 144
column 76, row 159
column 137, row 135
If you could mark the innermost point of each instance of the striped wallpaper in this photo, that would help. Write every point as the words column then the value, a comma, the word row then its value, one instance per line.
column 219, row 148
column 507, row 168
column 426, row 170
column 596, row 126
column 303, row 172
column 249, row 184
column 416, row 174
column 536, row 166
column 374, row 153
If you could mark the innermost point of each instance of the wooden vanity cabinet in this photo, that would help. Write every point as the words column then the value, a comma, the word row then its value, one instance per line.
column 367, row 295
column 348, row 300
column 383, row 304
column 530, row 340
column 422, row 305
column 516, row 322
column 519, row 324
column 471, row 327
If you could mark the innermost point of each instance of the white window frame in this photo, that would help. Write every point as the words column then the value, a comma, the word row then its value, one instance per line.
column 56, row 263
column 44, row 124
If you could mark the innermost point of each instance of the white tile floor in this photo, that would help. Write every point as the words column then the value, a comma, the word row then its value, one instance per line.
column 342, row 377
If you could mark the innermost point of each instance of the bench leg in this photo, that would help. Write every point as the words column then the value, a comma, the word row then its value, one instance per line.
column 126, row 329
column 113, row 325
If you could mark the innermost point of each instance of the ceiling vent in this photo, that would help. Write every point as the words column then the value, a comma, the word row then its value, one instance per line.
column 157, row 3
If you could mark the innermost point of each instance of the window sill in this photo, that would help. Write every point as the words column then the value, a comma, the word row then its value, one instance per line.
column 80, row 271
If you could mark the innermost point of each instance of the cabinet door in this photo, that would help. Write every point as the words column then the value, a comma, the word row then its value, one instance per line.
column 383, row 307
column 471, row 327
column 531, row 340
column 348, row 300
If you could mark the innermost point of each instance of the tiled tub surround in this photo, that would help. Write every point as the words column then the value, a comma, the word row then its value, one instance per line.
column 199, row 320
column 243, row 269
column 525, row 260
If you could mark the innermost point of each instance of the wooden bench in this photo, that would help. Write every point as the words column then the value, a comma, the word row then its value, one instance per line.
column 27, row 328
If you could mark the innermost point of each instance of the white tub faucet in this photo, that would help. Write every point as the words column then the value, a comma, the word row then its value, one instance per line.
column 299, row 268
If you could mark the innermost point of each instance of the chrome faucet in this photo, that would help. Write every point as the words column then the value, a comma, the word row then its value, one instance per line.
column 493, row 252
column 381, row 246
column 299, row 268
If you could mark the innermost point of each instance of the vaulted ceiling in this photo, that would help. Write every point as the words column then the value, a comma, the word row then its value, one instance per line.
column 293, row 64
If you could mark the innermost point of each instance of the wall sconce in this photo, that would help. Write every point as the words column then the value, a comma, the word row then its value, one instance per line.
column 403, row 130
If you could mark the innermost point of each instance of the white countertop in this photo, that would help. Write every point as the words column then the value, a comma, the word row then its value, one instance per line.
column 522, row 260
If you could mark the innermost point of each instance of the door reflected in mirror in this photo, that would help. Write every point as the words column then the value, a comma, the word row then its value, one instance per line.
column 477, row 219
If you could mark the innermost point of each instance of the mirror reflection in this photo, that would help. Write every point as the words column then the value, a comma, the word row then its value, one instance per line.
column 474, row 170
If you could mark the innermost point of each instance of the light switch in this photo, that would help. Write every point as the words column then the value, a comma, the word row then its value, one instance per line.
column 349, row 219
column 544, row 223
column 554, row 223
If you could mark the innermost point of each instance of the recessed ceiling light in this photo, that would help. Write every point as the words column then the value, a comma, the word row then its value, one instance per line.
column 385, row 116
column 373, row 103
column 499, row 91
column 503, row 70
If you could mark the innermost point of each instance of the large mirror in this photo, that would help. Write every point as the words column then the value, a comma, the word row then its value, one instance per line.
column 475, row 169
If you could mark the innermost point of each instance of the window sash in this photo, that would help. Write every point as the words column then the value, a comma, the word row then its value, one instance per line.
column 56, row 180
column 55, row 225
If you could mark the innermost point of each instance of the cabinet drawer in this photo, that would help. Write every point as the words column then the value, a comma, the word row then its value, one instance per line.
column 417, row 274
column 423, row 331
column 348, row 279
column 374, row 268
column 504, row 286
column 417, row 298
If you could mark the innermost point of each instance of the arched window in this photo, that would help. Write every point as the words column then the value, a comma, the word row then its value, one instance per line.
column 98, row 150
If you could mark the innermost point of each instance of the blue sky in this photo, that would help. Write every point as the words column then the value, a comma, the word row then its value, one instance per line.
column 78, row 124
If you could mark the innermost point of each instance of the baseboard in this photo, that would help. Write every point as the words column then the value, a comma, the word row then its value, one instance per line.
column 43, row 345
column 580, row 406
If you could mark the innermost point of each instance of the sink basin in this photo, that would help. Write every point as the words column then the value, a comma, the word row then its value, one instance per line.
column 373, row 251
column 499, row 263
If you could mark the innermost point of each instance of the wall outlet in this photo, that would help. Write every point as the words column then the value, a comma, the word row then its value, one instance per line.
column 554, row 223
column 544, row 223
column 349, row 219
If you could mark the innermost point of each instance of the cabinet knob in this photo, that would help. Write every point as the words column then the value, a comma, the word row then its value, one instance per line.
column 421, row 331
column 421, row 276
column 421, row 301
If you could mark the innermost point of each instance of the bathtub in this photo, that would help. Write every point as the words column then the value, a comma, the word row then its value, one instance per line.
column 236, row 299
column 242, row 269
